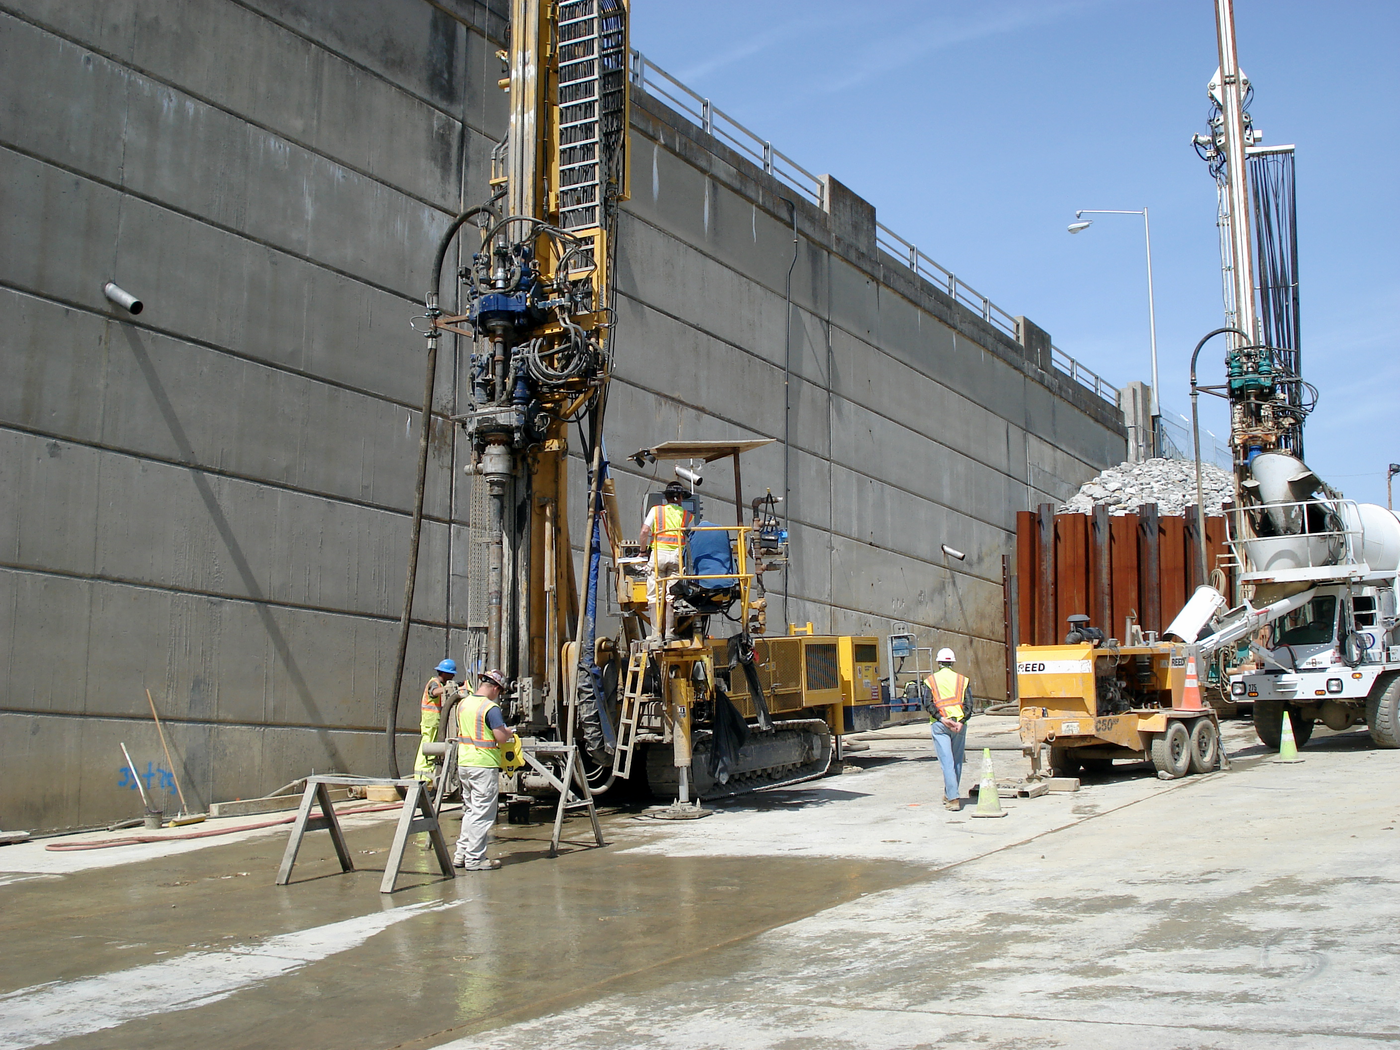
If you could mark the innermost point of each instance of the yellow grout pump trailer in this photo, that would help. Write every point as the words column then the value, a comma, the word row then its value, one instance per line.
column 1091, row 703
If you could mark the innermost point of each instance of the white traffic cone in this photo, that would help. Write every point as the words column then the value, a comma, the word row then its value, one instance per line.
column 1287, row 746
column 988, row 802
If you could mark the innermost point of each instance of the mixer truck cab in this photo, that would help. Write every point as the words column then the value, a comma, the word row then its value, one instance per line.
column 1325, row 663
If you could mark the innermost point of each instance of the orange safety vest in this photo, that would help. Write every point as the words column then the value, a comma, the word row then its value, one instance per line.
column 432, row 701
column 668, row 522
column 948, row 693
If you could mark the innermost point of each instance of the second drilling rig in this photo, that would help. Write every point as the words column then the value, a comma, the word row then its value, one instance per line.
column 1331, row 653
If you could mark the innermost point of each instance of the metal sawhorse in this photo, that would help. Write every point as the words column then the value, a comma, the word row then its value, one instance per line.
column 572, row 774
column 417, row 816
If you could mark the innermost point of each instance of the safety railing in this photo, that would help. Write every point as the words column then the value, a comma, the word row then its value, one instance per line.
column 655, row 81
column 1300, row 540
column 1085, row 377
column 649, row 77
column 943, row 279
column 1178, row 443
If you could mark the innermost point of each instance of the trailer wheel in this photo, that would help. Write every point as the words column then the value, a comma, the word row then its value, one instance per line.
column 1205, row 746
column 1383, row 712
column 1064, row 761
column 1171, row 751
column 1268, row 723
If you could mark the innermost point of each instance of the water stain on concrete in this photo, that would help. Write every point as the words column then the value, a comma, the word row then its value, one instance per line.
column 536, row 936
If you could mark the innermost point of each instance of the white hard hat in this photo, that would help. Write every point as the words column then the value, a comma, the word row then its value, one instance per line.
column 945, row 655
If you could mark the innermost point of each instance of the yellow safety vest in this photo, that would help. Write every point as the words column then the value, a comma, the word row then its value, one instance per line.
column 479, row 746
column 668, row 522
column 948, row 689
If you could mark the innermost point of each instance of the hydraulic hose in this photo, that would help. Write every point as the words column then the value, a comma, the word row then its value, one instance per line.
column 424, row 431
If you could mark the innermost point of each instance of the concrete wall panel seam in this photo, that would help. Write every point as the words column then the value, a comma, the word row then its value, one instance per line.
column 620, row 469
column 221, row 227
column 146, row 325
column 249, row 121
column 174, row 723
column 216, row 472
column 271, row 603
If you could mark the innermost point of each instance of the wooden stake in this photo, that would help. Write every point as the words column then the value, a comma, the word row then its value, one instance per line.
column 184, row 809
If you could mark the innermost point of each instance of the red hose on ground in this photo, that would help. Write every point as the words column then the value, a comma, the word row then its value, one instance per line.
column 132, row 840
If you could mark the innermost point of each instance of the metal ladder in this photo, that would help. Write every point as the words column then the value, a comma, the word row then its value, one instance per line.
column 627, row 721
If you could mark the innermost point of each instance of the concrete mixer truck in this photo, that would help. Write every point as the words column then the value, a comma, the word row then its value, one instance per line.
column 1323, row 574
column 1319, row 570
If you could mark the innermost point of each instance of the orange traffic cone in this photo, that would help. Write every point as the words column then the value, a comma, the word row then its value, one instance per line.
column 1191, row 688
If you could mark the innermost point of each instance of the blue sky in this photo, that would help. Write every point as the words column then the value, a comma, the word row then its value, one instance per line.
column 978, row 128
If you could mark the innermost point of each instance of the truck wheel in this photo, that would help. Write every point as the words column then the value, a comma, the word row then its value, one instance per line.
column 1171, row 751
column 1064, row 761
column 1268, row 723
column 1205, row 746
column 1302, row 726
column 1383, row 712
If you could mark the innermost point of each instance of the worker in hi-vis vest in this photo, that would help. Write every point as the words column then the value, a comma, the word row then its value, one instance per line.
column 664, row 528
column 482, row 730
column 440, row 687
column 949, row 707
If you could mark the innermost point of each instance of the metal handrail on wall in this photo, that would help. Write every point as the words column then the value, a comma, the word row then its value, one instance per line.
column 655, row 81
column 649, row 77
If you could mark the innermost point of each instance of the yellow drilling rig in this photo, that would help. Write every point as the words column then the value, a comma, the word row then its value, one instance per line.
column 537, row 295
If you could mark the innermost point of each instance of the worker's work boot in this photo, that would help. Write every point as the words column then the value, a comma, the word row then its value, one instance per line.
column 954, row 804
column 481, row 865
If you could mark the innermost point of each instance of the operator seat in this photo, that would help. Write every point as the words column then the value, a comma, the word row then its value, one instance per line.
column 708, row 553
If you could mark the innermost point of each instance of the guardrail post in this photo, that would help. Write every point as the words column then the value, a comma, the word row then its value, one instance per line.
column 706, row 121
column 768, row 157
column 953, row 287
column 986, row 309
column 913, row 258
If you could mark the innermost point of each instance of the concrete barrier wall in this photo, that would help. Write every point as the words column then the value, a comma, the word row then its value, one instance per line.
column 211, row 500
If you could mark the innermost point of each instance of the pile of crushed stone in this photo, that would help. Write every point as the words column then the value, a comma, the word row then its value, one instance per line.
column 1169, row 483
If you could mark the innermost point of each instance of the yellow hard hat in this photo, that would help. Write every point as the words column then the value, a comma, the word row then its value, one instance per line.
column 511, row 754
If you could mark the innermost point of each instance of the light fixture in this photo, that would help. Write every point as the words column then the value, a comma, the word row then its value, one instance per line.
column 1079, row 226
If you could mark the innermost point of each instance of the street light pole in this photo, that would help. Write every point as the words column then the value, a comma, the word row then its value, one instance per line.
column 1389, row 477
column 1155, row 409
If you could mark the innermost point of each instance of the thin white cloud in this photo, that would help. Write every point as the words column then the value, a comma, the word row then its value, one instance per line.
column 940, row 32
column 753, row 45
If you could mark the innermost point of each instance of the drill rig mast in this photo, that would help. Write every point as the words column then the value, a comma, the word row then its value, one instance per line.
column 537, row 295
column 1326, row 564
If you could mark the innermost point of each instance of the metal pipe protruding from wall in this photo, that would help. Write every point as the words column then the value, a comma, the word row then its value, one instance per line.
column 122, row 298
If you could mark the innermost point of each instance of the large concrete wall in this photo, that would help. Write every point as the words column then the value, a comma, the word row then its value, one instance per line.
column 211, row 500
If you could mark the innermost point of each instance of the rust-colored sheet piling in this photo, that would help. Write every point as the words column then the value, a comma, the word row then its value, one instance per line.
column 1027, row 533
column 1100, row 547
column 1150, row 568
column 1045, row 587
column 1123, row 558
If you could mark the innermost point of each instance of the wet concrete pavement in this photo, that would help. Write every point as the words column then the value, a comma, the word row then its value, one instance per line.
column 1245, row 909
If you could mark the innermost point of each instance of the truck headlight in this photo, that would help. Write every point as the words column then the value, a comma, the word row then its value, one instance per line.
column 1334, row 685
column 1237, row 688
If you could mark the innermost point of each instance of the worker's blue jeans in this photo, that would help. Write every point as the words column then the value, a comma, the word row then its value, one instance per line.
column 950, row 758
